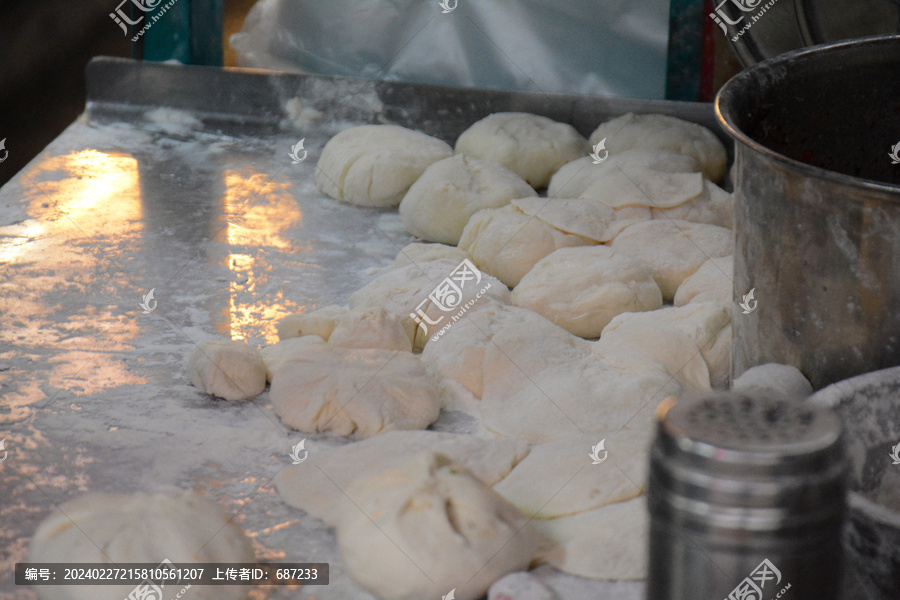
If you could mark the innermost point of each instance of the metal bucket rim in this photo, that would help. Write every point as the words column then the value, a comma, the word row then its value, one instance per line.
column 726, row 117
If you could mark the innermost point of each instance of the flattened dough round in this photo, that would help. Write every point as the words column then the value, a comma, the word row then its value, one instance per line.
column 559, row 478
column 429, row 527
column 665, row 133
column 581, row 289
column 651, row 178
column 405, row 291
column 227, row 369
column 438, row 206
column 531, row 145
column 319, row 485
column 673, row 249
column 372, row 328
column 507, row 243
column 374, row 165
column 578, row 548
column 352, row 391
column 714, row 206
column 712, row 282
column 139, row 528
column 419, row 252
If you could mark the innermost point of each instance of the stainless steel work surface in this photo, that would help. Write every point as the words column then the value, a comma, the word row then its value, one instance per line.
column 178, row 180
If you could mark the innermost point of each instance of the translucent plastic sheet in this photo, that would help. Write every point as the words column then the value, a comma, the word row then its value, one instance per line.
column 613, row 47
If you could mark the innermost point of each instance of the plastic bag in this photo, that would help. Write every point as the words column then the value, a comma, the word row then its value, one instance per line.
column 609, row 47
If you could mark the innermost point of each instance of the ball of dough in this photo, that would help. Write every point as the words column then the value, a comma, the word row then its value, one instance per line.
column 531, row 145
column 665, row 133
column 276, row 355
column 582, row 217
column 419, row 252
column 226, row 369
column 507, row 243
column 773, row 378
column 373, row 328
column 423, row 287
column 714, row 206
column 712, row 282
column 139, row 528
column 353, row 391
column 581, row 289
column 429, row 527
column 651, row 178
column 319, row 485
column 438, row 206
column 520, row 586
column 320, row 322
column 374, row 165
column 673, row 250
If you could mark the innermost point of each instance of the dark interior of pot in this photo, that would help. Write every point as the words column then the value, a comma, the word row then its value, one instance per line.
column 838, row 109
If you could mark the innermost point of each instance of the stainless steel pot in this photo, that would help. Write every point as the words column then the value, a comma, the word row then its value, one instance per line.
column 817, row 209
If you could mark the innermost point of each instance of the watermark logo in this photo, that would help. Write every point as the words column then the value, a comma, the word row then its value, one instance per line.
column 6, row 152
column 895, row 453
column 447, row 296
column 295, row 158
column 747, row 300
column 450, row 596
column 751, row 587
column 601, row 145
column 894, row 153
column 721, row 18
column 148, row 308
column 295, row 452
column 3, row 447
column 147, row 590
column 445, row 4
column 121, row 18
column 595, row 452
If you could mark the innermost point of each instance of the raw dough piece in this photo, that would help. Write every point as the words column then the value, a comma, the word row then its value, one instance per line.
column 714, row 206
column 226, row 369
column 666, row 133
column 405, row 291
column 419, row 252
column 506, row 242
column 460, row 352
column 438, row 206
column 684, row 339
column 774, row 378
column 559, row 478
column 352, row 391
column 373, row 328
column 320, row 322
column 531, row 145
column 277, row 354
column 542, row 396
column 673, row 250
column 582, row 289
column 606, row 543
column 712, row 282
column 651, row 178
column 374, row 165
column 139, row 528
column 520, row 586
column 586, row 218
column 320, row 484
column 429, row 527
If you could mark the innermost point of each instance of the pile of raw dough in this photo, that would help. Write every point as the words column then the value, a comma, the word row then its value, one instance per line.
column 139, row 528
column 418, row 512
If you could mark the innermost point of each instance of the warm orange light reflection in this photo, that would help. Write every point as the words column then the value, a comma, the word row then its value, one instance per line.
column 258, row 212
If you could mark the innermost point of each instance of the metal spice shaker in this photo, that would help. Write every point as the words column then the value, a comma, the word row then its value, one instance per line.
column 746, row 496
